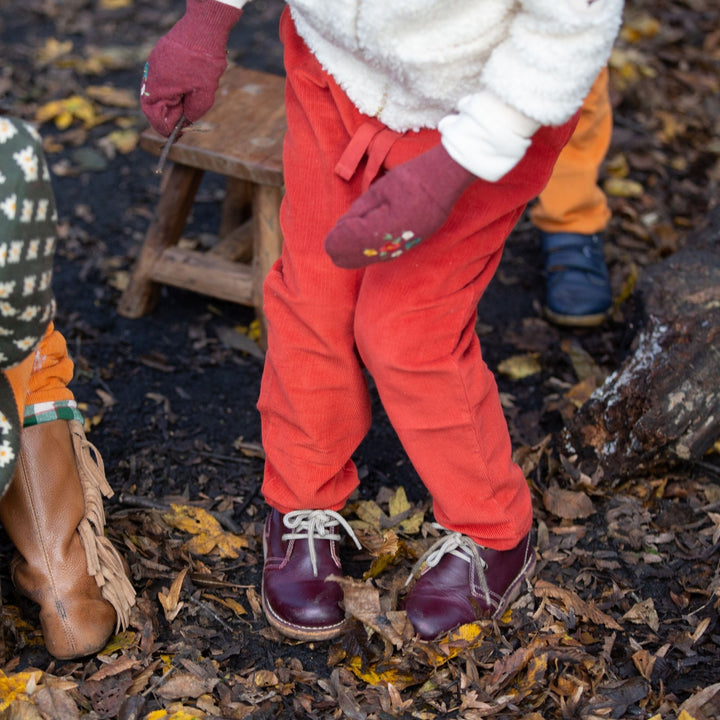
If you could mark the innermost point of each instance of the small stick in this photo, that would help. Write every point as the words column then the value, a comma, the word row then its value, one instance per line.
column 166, row 149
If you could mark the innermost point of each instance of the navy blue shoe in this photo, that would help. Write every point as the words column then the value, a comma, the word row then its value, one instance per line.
column 578, row 283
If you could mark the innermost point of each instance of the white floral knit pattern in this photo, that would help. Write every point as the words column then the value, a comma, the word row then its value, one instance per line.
column 27, row 243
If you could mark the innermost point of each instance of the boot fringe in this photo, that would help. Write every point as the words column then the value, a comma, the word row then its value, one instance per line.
column 104, row 562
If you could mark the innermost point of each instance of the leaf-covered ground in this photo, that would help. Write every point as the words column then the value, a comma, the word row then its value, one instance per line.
column 621, row 619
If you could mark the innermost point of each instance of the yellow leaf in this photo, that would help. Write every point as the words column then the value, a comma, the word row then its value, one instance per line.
column 371, row 513
column 254, row 331
column 536, row 669
column 518, row 367
column 629, row 66
column 637, row 28
column 378, row 566
column 209, row 534
column 53, row 49
column 122, row 641
column 265, row 678
column 685, row 715
column 115, row 97
column 64, row 112
column 622, row 187
column 398, row 503
column 191, row 519
column 125, row 141
column 202, row 544
column 629, row 283
column 412, row 525
column 370, row 675
column 115, row 4
column 465, row 637
column 672, row 127
column 13, row 687
column 468, row 632
column 618, row 166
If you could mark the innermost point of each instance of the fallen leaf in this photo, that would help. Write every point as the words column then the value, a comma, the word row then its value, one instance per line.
column 186, row 685
column 622, row 187
column 518, row 367
column 573, row 600
column 170, row 601
column 643, row 612
column 567, row 504
column 112, row 96
column 703, row 705
column 362, row 601
column 65, row 112
column 13, row 687
column 208, row 533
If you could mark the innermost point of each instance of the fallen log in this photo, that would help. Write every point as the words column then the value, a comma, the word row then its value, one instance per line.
column 662, row 406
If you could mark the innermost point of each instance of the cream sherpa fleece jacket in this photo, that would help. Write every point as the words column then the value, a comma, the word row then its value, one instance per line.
column 486, row 73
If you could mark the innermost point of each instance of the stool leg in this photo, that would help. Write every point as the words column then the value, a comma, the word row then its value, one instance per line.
column 267, row 244
column 235, row 237
column 176, row 200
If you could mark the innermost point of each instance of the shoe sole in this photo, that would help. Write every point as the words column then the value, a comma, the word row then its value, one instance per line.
column 575, row 320
column 301, row 632
column 305, row 633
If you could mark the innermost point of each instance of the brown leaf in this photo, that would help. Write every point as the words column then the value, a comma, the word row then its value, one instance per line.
column 21, row 709
column 704, row 705
column 567, row 504
column 107, row 695
column 644, row 612
column 362, row 601
column 124, row 662
column 186, row 685
column 54, row 703
column 574, row 601
column 171, row 601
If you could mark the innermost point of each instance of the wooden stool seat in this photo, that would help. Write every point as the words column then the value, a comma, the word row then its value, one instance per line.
column 240, row 138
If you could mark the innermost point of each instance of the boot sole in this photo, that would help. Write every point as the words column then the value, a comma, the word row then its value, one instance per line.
column 575, row 320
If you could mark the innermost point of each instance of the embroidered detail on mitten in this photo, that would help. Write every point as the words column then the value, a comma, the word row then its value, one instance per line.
column 393, row 247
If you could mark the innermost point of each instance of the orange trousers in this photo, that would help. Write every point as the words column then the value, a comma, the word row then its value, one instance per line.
column 409, row 322
column 572, row 200
column 44, row 375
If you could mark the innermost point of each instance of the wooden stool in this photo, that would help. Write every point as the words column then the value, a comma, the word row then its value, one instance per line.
column 241, row 138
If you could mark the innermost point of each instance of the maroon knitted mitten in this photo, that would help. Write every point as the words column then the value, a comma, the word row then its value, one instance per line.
column 399, row 210
column 184, row 68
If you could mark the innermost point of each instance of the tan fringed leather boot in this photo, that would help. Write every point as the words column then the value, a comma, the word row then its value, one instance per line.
column 53, row 513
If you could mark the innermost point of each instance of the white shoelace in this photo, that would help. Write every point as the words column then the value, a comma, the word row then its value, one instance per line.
column 314, row 525
column 459, row 545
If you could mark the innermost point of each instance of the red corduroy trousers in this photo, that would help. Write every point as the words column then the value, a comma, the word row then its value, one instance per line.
column 410, row 322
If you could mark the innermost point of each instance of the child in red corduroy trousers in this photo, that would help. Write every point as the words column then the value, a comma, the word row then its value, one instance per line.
column 417, row 132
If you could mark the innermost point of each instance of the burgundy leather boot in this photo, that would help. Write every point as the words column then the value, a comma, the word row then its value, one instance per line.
column 463, row 581
column 301, row 551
